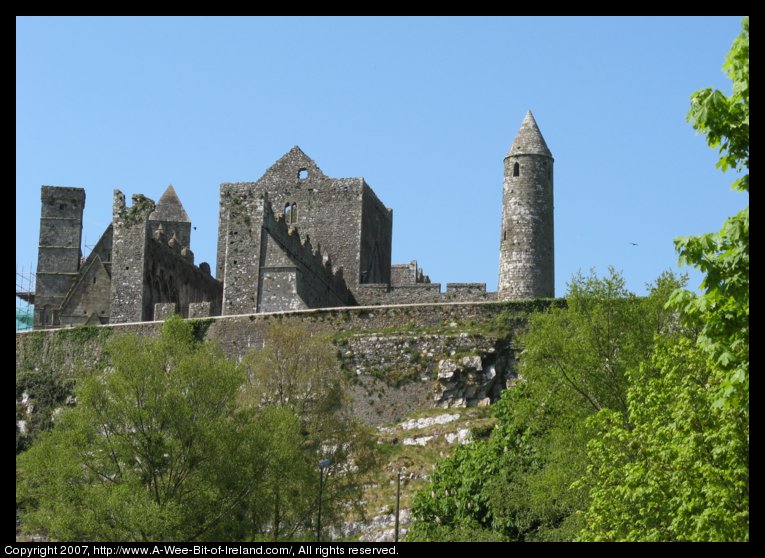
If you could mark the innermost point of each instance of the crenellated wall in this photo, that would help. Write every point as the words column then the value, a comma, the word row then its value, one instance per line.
column 294, row 274
column 422, row 293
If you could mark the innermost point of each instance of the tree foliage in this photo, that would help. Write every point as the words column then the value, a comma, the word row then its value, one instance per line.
column 678, row 470
column 517, row 485
column 722, row 312
column 676, row 467
column 297, row 375
column 173, row 441
column 149, row 452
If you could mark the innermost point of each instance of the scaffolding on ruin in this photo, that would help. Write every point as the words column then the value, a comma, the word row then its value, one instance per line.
column 25, row 298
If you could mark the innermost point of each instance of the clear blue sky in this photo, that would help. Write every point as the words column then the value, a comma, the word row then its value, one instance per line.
column 423, row 108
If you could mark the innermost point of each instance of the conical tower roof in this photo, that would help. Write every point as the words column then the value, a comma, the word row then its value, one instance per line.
column 529, row 140
column 170, row 208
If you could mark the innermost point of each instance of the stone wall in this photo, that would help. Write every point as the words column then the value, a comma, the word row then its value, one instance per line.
column 172, row 277
column 149, row 267
column 394, row 375
column 422, row 293
column 103, row 248
column 376, row 238
column 89, row 299
column 239, row 247
column 400, row 358
column 130, row 236
column 294, row 274
column 340, row 216
column 467, row 292
column 58, row 250
column 407, row 274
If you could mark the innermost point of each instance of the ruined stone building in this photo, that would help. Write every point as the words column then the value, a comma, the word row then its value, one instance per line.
column 294, row 239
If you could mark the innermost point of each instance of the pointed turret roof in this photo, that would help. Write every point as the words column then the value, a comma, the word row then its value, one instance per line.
column 529, row 140
column 170, row 208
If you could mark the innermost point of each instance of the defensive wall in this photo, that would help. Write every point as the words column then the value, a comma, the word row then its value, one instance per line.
column 399, row 358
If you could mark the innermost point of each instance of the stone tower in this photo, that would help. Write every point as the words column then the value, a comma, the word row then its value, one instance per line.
column 526, row 253
column 129, row 300
column 58, row 259
column 170, row 214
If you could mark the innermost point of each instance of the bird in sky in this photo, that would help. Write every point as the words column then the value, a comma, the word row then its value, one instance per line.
column 634, row 243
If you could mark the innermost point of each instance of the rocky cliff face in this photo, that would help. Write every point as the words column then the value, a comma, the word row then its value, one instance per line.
column 394, row 375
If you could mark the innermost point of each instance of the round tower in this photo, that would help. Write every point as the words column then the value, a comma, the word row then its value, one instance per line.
column 526, row 250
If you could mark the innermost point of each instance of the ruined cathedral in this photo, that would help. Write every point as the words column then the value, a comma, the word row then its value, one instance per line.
column 294, row 239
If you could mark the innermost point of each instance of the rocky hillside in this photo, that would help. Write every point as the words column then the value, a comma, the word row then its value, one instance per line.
column 412, row 446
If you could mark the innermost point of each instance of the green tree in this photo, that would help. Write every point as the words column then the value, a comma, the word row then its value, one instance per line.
column 298, row 370
column 722, row 311
column 155, row 449
column 676, row 466
column 517, row 485
column 283, row 505
column 679, row 469
column 295, row 380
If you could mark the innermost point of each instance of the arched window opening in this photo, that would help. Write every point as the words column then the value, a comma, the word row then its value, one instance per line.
column 287, row 212
column 293, row 214
column 517, row 169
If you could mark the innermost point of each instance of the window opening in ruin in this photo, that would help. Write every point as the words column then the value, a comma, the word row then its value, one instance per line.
column 293, row 213
column 287, row 212
column 516, row 169
column 504, row 235
column 302, row 174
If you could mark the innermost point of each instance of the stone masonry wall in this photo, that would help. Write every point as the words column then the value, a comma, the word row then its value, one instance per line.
column 409, row 357
column 173, row 277
column 422, row 293
column 394, row 375
column 239, row 256
column 294, row 274
column 376, row 238
column 89, row 300
column 58, row 250
column 327, row 211
column 130, row 236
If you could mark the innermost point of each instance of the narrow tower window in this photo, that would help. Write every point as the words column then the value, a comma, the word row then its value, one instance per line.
column 516, row 169
column 287, row 213
column 293, row 213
